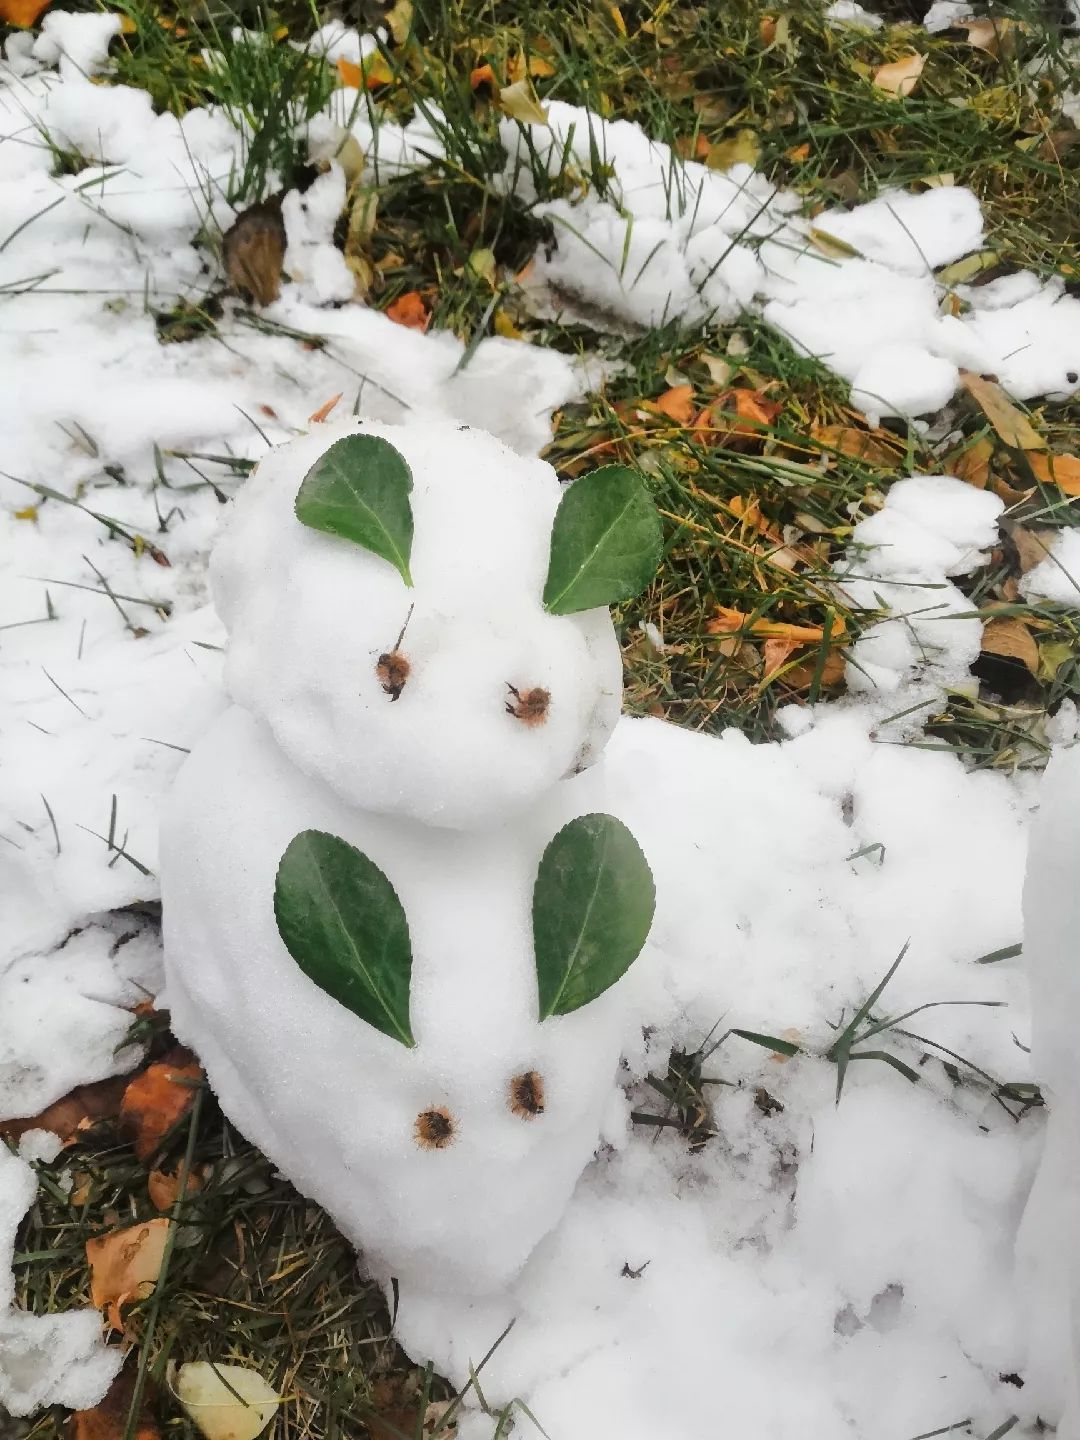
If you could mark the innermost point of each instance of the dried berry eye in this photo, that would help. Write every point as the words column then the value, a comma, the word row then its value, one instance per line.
column 528, row 706
column 527, row 1095
column 434, row 1129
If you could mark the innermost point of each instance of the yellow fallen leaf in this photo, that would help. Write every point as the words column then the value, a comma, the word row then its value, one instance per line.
column 831, row 245
column 973, row 464
column 875, row 447
column 1010, row 423
column 125, row 1265
column 1010, row 637
column 521, row 102
column 504, row 326
column 900, row 77
column 28, row 512
column 226, row 1402
column 1060, row 470
column 728, row 621
column 742, row 148
column 961, row 271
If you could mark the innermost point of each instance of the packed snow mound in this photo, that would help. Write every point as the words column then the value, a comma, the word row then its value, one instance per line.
column 1058, row 576
column 310, row 617
column 1049, row 1247
column 336, row 1104
column 659, row 239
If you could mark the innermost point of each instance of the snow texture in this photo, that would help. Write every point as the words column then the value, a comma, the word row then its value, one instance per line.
column 304, row 655
column 668, row 239
column 1058, row 576
column 1049, row 1249
column 44, row 1359
column 816, row 1270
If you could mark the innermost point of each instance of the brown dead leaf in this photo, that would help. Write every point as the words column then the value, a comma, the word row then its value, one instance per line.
column 254, row 251
column 900, row 77
column 973, row 464
column 1010, row 423
column 77, row 1111
column 163, row 1187
column 409, row 310
column 677, row 404
column 1011, row 638
column 157, row 1100
column 125, row 1265
column 1060, row 470
column 108, row 1419
column 775, row 652
column 800, row 677
column 1032, row 543
column 876, row 447
column 319, row 415
column 22, row 13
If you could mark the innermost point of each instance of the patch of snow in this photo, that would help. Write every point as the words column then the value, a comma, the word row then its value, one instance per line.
column 1058, row 576
column 850, row 12
column 944, row 14
column 44, row 1359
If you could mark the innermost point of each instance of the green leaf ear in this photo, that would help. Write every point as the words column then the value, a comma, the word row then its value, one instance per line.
column 593, row 905
column 343, row 924
column 606, row 542
column 359, row 489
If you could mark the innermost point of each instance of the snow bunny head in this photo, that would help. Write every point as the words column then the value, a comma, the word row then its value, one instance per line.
column 398, row 616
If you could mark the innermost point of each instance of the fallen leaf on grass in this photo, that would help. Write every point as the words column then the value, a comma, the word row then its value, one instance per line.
column 876, row 447
column 108, row 1418
column 409, row 310
column 163, row 1188
column 737, row 413
column 900, row 77
column 254, row 251
column 22, row 13
column 1010, row 423
column 1032, row 544
column 677, row 404
column 125, row 1265
column 833, row 672
column 973, row 464
column 372, row 72
column 1011, row 638
column 75, row 1112
column 226, row 1402
column 1060, row 470
column 157, row 1100
column 521, row 102
column 742, row 148
column 319, row 415
column 728, row 621
column 993, row 36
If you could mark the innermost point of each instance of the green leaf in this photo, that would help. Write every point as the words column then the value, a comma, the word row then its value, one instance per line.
column 343, row 924
column 359, row 489
column 605, row 544
column 593, row 904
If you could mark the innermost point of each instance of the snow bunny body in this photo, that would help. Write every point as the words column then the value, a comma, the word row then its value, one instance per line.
column 388, row 918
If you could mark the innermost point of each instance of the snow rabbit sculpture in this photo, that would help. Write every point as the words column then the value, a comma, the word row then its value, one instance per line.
column 394, row 910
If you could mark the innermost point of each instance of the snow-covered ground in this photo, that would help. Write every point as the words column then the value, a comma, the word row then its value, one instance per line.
column 817, row 1269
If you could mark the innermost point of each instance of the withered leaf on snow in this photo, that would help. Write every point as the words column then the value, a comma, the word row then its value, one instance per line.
column 1010, row 422
column 1009, row 637
column 254, row 251
column 75, row 1112
column 409, row 310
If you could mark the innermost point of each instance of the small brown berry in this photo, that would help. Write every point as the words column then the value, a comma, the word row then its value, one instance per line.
column 527, row 1095
column 528, row 706
column 434, row 1129
column 393, row 670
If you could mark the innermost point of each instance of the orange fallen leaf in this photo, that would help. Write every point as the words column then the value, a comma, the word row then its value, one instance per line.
column 125, row 1265
column 75, row 1112
column 163, row 1188
column 677, row 404
column 108, row 1419
column 833, row 672
column 372, row 72
column 157, row 1100
column 776, row 651
column 409, row 310
column 875, row 447
column 973, row 464
column 767, row 29
column 483, row 77
column 900, row 77
column 798, row 153
column 21, row 12
column 319, row 415
column 1032, row 543
column 1060, row 470
column 729, row 621
column 1010, row 638
column 737, row 413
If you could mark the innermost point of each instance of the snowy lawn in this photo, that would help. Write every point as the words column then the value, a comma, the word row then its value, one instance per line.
column 814, row 278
